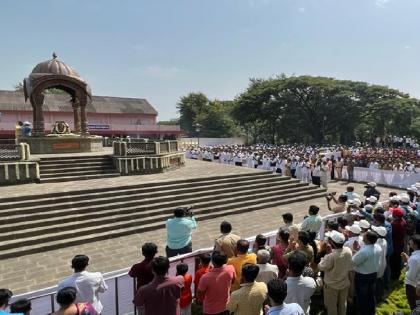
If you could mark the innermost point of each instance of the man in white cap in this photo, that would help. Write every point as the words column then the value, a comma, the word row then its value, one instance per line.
column 379, row 220
column 336, row 266
column 364, row 225
column 366, row 264
column 353, row 233
column 405, row 204
column 379, row 288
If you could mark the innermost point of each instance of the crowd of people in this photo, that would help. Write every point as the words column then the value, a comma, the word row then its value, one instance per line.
column 349, row 260
column 301, row 160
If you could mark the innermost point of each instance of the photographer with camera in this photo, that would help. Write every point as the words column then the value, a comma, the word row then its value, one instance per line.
column 179, row 230
column 340, row 202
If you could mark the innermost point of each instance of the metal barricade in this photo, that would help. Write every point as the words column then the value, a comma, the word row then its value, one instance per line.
column 118, row 299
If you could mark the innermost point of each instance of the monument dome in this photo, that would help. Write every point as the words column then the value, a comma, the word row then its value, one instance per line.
column 55, row 66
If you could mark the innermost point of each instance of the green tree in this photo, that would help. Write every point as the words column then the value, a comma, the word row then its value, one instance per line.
column 216, row 120
column 19, row 88
column 173, row 121
column 189, row 107
column 214, row 116
column 320, row 109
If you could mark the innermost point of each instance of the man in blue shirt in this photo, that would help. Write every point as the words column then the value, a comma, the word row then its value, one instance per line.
column 5, row 296
column 366, row 264
column 179, row 230
column 277, row 292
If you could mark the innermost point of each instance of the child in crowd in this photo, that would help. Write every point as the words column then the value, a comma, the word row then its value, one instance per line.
column 186, row 293
column 204, row 267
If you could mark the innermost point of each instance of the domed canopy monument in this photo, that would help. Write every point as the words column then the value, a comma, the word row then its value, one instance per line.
column 55, row 74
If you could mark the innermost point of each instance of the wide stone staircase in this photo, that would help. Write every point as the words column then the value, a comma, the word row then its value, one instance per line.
column 71, row 168
column 38, row 223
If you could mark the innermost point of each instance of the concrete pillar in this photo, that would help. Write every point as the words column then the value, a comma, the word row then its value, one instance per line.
column 83, row 119
column 76, row 115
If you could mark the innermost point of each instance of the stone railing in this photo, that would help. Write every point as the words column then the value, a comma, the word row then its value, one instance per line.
column 16, row 166
column 14, row 152
column 123, row 148
column 131, row 165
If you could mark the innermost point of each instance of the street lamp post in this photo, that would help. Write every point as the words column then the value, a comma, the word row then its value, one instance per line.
column 197, row 129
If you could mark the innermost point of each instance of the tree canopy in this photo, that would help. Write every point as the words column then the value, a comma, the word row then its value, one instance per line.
column 212, row 116
column 304, row 109
column 320, row 109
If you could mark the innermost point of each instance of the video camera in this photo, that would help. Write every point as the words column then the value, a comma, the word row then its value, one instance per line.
column 185, row 211
column 329, row 196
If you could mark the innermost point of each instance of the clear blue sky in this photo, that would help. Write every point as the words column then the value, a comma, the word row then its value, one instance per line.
column 163, row 49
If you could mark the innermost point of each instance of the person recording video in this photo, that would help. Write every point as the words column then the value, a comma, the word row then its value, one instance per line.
column 340, row 203
column 178, row 231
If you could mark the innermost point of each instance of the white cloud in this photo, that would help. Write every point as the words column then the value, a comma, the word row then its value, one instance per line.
column 407, row 47
column 158, row 72
column 381, row 3
column 301, row 10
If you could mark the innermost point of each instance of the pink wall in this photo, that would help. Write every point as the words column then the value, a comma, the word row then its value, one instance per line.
column 118, row 123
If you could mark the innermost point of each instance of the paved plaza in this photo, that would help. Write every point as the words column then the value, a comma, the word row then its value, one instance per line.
column 193, row 169
column 36, row 271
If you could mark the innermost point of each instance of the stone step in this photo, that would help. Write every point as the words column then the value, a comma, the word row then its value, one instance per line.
column 108, row 229
column 78, row 164
column 78, row 169
column 77, row 238
column 190, row 182
column 77, row 178
column 99, row 219
column 69, row 159
column 78, row 173
column 42, row 206
column 21, row 221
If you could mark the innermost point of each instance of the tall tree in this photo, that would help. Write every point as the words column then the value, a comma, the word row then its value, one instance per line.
column 189, row 107
column 320, row 109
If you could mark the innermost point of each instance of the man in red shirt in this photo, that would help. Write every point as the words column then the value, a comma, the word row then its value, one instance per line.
column 214, row 286
column 186, row 293
column 161, row 296
column 204, row 267
column 398, row 238
column 142, row 271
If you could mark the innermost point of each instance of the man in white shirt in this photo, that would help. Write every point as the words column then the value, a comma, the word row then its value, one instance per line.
column 381, row 242
column 267, row 270
column 299, row 288
column 412, row 276
column 87, row 284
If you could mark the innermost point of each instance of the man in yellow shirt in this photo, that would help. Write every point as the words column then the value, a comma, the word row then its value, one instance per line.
column 249, row 299
column 242, row 257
